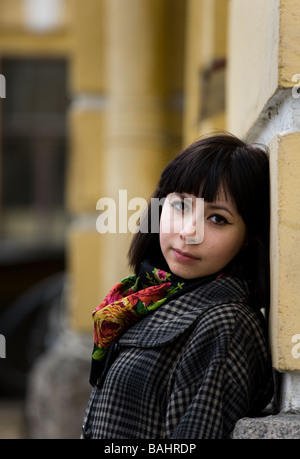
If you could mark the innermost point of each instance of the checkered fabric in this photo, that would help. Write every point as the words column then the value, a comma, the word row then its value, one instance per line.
column 190, row 370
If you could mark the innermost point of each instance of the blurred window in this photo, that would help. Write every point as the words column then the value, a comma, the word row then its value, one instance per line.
column 33, row 150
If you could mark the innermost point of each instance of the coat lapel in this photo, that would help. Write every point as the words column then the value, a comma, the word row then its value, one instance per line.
column 175, row 316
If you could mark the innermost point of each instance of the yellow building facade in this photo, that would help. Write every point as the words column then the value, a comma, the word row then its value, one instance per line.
column 146, row 78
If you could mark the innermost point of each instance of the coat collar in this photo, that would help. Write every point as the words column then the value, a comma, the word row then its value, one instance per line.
column 177, row 315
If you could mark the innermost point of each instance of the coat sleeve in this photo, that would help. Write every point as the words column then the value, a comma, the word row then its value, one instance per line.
column 223, row 375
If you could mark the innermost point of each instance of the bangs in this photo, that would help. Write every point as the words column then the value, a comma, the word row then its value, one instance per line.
column 221, row 164
column 204, row 173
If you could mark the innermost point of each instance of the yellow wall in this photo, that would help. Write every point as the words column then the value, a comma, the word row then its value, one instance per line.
column 17, row 40
column 285, row 241
column 253, row 66
column 264, row 56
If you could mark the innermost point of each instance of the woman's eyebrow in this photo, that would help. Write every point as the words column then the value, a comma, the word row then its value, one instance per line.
column 219, row 207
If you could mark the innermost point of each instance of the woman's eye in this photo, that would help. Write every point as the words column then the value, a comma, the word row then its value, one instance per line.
column 218, row 219
column 178, row 205
column 182, row 205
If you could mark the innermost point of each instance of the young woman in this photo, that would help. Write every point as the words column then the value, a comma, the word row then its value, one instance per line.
column 181, row 348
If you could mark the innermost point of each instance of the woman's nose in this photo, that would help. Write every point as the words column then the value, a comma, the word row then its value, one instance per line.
column 188, row 229
column 192, row 232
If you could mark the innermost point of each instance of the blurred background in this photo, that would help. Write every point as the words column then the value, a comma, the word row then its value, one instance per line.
column 94, row 101
column 33, row 216
column 98, row 96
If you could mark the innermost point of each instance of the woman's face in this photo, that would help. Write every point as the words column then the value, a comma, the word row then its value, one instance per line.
column 219, row 233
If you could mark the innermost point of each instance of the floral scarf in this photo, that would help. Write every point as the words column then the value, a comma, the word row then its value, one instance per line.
column 128, row 302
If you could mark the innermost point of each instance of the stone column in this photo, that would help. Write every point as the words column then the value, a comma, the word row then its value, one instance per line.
column 285, row 265
column 205, row 76
column 138, row 138
column 263, row 106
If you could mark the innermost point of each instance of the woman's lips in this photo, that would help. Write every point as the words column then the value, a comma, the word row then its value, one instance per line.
column 183, row 256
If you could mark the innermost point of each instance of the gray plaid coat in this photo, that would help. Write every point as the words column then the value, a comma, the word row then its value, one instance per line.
column 189, row 370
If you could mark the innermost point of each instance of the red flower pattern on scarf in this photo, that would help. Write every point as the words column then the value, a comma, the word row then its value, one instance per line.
column 124, row 306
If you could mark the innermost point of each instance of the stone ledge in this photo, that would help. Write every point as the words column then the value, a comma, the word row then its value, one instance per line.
column 280, row 426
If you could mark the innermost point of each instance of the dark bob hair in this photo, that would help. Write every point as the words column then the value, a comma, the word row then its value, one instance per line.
column 216, row 163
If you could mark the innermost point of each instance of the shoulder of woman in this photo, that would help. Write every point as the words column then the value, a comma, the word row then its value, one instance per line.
column 222, row 291
column 231, row 321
